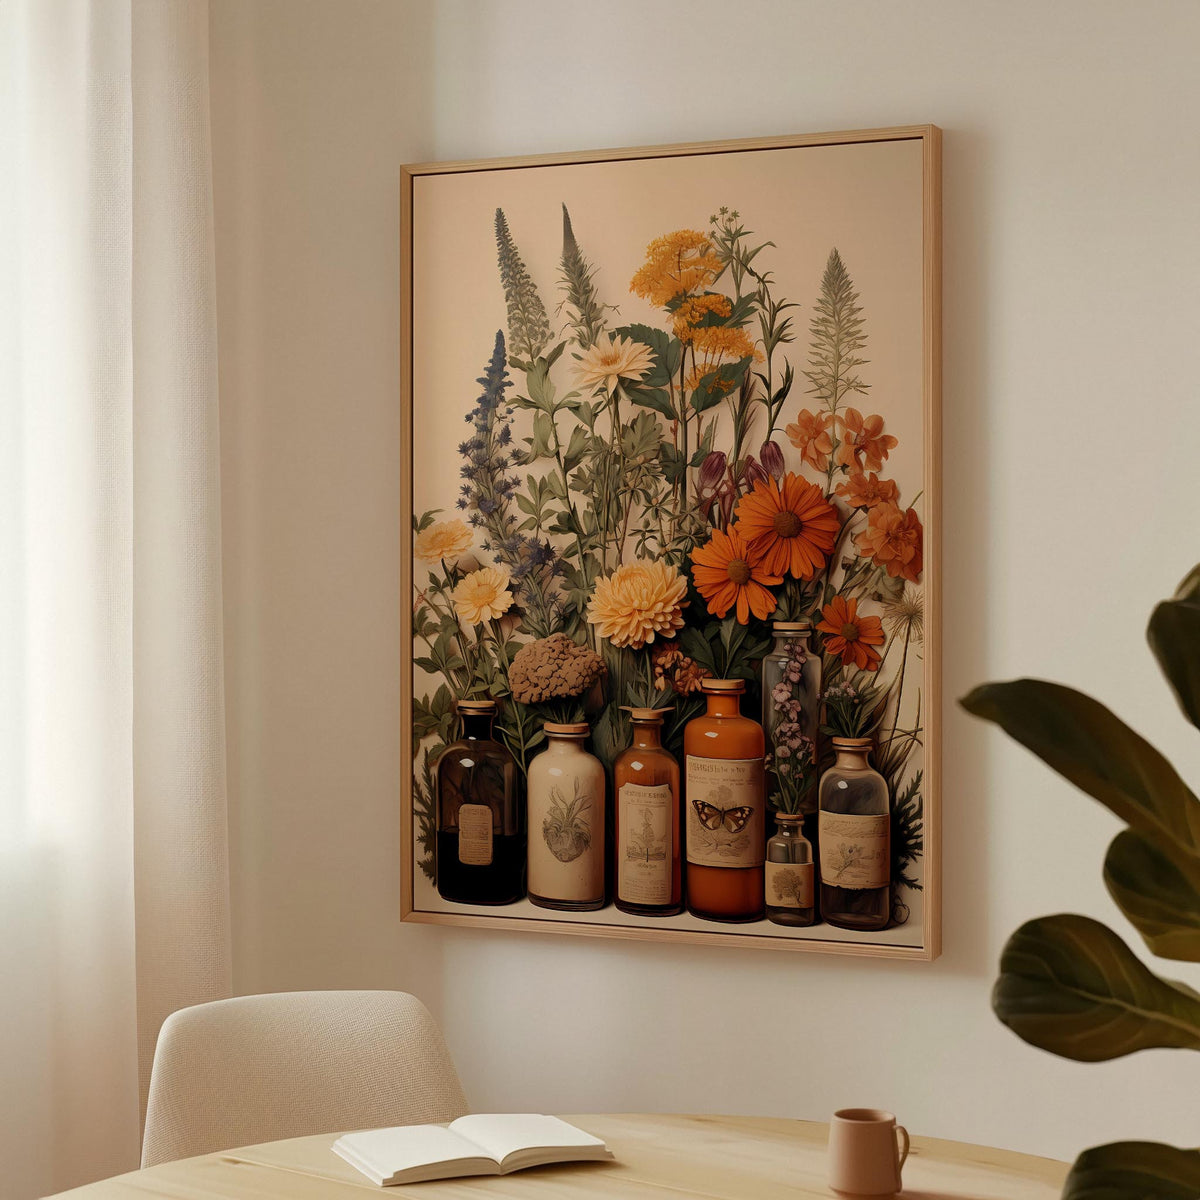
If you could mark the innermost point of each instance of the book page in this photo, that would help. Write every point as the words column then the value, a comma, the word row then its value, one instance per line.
column 505, row 1134
column 401, row 1149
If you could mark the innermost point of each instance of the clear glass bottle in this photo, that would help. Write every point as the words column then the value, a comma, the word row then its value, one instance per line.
column 566, row 856
column 790, row 874
column 791, row 697
column 724, row 804
column 855, row 826
column 480, row 856
column 646, row 789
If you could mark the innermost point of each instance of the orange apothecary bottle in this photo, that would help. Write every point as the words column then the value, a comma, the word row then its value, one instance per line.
column 724, row 799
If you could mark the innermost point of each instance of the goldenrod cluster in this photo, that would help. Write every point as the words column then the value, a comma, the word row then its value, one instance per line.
column 676, row 263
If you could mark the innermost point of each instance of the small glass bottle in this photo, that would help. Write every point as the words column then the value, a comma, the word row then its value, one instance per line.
column 791, row 697
column 646, row 789
column 790, row 882
column 724, row 803
column 855, row 828
column 566, row 822
column 480, row 857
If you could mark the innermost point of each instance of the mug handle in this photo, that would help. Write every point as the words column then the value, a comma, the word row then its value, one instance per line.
column 902, row 1148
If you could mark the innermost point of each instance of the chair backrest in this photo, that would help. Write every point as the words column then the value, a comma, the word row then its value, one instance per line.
column 260, row 1068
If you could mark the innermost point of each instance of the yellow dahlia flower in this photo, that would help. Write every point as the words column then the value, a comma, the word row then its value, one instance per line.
column 442, row 539
column 636, row 602
column 483, row 595
column 613, row 358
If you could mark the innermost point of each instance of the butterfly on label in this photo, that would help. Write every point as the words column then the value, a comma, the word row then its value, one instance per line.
column 712, row 817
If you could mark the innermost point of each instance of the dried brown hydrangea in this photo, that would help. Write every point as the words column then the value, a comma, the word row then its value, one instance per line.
column 553, row 668
column 673, row 668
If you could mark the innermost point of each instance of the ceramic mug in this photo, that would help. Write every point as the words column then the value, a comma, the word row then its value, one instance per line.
column 867, row 1150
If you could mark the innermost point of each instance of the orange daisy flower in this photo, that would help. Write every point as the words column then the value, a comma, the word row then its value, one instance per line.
column 810, row 435
column 894, row 540
column 863, row 441
column 866, row 491
column 728, row 574
column 851, row 637
column 791, row 525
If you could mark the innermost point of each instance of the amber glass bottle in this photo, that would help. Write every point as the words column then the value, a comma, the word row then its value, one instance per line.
column 480, row 834
column 724, row 803
column 646, row 785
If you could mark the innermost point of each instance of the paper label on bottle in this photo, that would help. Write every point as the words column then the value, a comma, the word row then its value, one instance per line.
column 644, row 850
column 855, row 850
column 475, row 835
column 725, row 812
column 789, row 885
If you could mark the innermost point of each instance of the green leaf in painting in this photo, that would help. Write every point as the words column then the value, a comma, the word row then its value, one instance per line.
column 1069, row 985
column 1128, row 1170
column 658, row 399
column 1085, row 743
column 1159, row 900
column 1174, row 636
column 665, row 348
column 576, row 448
column 716, row 385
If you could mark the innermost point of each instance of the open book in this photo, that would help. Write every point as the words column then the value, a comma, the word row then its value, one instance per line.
column 481, row 1144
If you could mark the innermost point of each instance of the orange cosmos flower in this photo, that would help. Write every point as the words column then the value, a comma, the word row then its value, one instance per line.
column 894, row 540
column 791, row 527
column 866, row 491
column 863, row 441
column 727, row 574
column 810, row 435
column 851, row 637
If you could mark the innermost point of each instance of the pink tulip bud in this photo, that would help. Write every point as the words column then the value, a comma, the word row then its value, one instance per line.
column 752, row 473
column 712, row 469
column 772, row 459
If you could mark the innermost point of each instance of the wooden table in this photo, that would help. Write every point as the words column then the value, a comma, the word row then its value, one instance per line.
column 657, row 1158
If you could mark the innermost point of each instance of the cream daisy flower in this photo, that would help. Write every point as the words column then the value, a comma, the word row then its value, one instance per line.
column 483, row 595
column 611, row 359
column 638, row 601
column 441, row 540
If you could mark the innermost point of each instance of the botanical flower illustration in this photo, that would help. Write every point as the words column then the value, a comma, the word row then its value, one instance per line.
column 790, row 527
column 610, row 360
column 442, row 540
column 648, row 492
column 866, row 491
column 637, row 602
column 851, row 637
column 864, row 444
column 809, row 433
column 894, row 540
column 482, row 595
column 728, row 576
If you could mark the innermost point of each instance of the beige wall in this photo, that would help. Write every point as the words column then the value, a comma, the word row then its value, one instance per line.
column 1072, row 260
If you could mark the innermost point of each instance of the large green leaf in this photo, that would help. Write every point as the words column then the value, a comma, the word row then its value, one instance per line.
column 1069, row 985
column 1174, row 636
column 1161, row 902
column 1100, row 754
column 1134, row 1171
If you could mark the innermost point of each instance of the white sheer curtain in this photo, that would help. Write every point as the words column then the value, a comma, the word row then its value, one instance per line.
column 113, row 859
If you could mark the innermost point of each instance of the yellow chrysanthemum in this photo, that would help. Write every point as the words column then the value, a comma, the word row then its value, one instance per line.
column 683, row 261
column 638, row 601
column 442, row 539
column 483, row 595
column 611, row 359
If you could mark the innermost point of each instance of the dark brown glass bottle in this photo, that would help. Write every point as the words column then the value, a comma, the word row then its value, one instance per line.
column 480, row 833
column 646, row 789
column 724, row 799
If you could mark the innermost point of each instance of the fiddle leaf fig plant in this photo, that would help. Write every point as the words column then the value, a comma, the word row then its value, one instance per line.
column 1069, row 984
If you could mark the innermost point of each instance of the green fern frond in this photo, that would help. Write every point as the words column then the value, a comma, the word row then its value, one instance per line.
column 578, row 282
column 528, row 325
column 837, row 337
column 908, row 832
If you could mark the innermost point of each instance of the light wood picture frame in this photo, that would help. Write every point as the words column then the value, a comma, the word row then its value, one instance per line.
column 825, row 272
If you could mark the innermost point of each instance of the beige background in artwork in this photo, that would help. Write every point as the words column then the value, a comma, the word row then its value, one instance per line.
column 1072, row 297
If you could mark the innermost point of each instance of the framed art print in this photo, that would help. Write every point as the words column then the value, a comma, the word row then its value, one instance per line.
column 671, row 448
